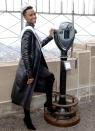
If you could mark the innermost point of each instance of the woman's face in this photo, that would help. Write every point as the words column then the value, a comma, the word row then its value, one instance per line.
column 30, row 16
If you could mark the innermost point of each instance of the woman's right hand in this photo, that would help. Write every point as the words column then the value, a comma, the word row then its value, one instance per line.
column 30, row 81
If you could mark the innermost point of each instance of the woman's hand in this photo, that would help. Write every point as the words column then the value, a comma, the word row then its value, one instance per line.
column 30, row 81
column 51, row 32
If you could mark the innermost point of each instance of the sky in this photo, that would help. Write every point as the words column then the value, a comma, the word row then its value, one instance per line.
column 55, row 5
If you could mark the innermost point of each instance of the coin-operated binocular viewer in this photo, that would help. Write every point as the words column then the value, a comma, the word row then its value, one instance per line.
column 66, row 111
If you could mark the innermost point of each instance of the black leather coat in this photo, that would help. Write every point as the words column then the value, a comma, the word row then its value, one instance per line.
column 28, row 67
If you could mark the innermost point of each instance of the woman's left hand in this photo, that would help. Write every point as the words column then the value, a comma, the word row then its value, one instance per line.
column 51, row 32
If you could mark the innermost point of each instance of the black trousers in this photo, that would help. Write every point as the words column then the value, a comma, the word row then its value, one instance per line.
column 45, row 82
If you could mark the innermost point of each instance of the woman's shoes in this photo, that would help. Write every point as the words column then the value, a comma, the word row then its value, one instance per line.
column 49, row 108
column 28, row 123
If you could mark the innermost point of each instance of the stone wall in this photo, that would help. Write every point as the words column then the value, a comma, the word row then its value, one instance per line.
column 80, row 79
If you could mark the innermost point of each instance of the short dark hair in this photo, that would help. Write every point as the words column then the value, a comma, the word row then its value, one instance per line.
column 25, row 9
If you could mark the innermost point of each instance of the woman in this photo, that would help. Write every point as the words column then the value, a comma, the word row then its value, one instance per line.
column 32, row 70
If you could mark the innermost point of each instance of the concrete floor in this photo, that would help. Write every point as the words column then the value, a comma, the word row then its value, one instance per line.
column 14, row 122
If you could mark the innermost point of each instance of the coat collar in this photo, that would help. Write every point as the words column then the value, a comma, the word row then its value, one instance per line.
column 30, row 24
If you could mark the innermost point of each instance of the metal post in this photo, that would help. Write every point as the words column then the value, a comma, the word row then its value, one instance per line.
column 62, row 99
column 73, row 24
column 6, row 4
column 21, row 16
